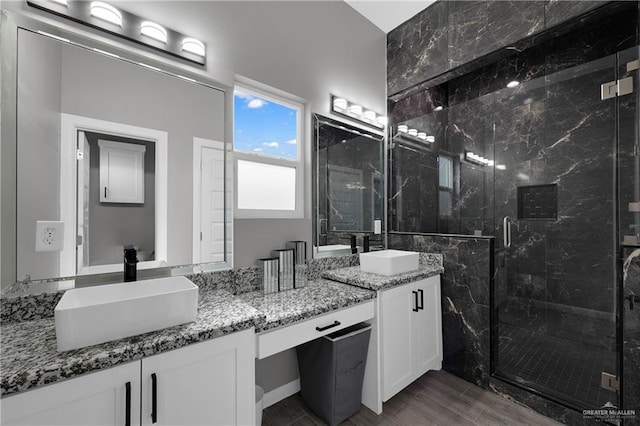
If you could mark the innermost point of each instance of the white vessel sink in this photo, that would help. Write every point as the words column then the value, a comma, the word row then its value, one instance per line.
column 389, row 262
column 88, row 316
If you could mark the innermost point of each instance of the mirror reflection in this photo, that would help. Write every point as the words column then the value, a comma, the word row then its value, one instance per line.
column 349, row 186
column 113, row 154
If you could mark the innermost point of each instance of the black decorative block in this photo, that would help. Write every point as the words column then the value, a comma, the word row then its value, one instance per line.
column 538, row 202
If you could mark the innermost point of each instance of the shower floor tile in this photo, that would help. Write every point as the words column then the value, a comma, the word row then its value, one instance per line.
column 568, row 370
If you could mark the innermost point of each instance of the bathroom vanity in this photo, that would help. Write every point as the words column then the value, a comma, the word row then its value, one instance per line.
column 204, row 372
column 406, row 336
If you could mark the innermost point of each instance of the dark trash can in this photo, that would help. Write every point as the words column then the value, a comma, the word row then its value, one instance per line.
column 331, row 372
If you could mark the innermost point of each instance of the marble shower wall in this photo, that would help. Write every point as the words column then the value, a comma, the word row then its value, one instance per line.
column 465, row 290
column 449, row 34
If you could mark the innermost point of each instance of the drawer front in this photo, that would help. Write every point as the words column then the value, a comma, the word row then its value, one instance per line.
column 273, row 341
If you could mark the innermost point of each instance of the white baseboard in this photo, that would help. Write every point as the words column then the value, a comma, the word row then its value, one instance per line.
column 278, row 394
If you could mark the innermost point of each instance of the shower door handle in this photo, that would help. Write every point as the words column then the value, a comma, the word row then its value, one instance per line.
column 506, row 232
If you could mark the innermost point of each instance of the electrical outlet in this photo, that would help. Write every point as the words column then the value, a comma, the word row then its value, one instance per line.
column 49, row 235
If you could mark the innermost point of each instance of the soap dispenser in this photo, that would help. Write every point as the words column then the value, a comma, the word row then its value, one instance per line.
column 130, row 263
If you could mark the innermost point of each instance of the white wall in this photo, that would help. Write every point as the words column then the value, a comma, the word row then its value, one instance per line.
column 39, row 105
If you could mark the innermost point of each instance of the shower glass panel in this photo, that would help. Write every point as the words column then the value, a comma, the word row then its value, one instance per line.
column 556, row 248
column 548, row 168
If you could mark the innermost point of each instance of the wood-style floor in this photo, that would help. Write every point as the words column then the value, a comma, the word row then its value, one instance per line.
column 437, row 398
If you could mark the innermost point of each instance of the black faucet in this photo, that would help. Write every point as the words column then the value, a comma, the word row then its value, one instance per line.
column 130, row 263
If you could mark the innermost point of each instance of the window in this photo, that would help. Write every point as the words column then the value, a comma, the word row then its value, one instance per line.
column 445, row 185
column 268, row 154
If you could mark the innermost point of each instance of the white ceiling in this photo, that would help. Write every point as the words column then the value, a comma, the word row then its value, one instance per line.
column 388, row 14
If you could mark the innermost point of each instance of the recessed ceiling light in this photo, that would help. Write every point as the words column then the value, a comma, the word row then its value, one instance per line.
column 194, row 46
column 513, row 84
column 106, row 12
column 438, row 108
column 153, row 30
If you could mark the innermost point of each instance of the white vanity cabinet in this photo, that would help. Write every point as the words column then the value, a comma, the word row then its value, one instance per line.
column 411, row 333
column 210, row 383
column 99, row 398
column 205, row 383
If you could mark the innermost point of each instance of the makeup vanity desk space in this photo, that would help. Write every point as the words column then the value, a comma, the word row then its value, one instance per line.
column 297, row 316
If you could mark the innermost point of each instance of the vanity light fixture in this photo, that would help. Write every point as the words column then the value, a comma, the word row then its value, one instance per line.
column 342, row 106
column 340, row 103
column 414, row 134
column 194, row 46
column 105, row 17
column 355, row 109
column 154, row 31
column 369, row 115
column 106, row 12
column 513, row 84
column 477, row 159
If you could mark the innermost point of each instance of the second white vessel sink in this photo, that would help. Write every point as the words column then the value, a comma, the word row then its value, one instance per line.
column 389, row 262
column 93, row 315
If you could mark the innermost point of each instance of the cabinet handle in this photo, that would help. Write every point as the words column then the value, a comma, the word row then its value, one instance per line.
column 421, row 299
column 105, row 192
column 415, row 294
column 154, row 398
column 127, row 409
column 326, row 327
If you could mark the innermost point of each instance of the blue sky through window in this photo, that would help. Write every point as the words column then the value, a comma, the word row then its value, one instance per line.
column 264, row 127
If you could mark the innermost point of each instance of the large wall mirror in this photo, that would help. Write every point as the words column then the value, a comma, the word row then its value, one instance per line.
column 113, row 153
column 348, row 186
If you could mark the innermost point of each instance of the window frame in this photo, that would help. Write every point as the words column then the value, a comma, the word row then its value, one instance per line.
column 275, row 96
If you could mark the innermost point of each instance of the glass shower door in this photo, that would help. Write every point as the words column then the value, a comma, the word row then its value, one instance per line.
column 556, row 286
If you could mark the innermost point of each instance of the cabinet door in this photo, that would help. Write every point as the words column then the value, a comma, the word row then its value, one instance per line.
column 427, row 327
column 395, row 317
column 99, row 398
column 121, row 172
column 209, row 383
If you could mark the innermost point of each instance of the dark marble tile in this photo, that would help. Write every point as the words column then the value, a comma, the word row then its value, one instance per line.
column 558, row 11
column 541, row 405
column 478, row 28
column 417, row 49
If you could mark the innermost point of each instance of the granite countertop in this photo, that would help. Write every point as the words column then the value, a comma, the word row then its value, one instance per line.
column 316, row 298
column 355, row 277
column 29, row 356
